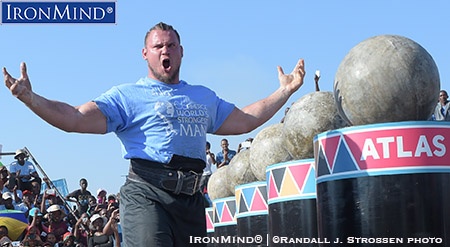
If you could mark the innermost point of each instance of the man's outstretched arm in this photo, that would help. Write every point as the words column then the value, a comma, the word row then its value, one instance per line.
column 254, row 115
column 86, row 118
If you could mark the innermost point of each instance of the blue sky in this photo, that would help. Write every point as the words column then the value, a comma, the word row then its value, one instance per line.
column 231, row 46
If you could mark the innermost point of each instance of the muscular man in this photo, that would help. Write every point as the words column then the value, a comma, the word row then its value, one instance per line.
column 160, row 204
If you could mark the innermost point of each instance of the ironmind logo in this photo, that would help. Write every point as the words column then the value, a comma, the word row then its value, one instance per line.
column 39, row 12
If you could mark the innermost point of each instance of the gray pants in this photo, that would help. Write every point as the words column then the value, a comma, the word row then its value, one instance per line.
column 154, row 217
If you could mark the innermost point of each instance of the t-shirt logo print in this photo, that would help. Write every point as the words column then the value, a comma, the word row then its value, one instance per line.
column 192, row 117
column 165, row 111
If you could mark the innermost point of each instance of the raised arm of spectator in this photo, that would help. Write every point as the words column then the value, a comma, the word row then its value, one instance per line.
column 71, row 198
column 117, row 238
column 213, row 157
column 36, row 200
column 111, row 225
column 33, row 222
column 81, row 224
column 76, row 230
column 47, row 182
column 16, row 198
column 44, row 198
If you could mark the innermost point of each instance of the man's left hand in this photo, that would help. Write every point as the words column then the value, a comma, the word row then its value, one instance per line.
column 293, row 81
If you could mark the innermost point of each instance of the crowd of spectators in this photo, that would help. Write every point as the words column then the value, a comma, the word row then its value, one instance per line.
column 53, row 220
column 78, row 219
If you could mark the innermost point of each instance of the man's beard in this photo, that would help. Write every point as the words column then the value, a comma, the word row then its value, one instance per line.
column 164, row 78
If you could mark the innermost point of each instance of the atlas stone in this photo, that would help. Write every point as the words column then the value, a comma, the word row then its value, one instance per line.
column 217, row 184
column 310, row 115
column 267, row 149
column 386, row 78
column 239, row 170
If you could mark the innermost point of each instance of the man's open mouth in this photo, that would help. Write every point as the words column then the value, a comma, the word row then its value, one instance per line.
column 166, row 63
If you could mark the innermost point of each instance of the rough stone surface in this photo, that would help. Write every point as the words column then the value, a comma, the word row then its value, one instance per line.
column 267, row 149
column 310, row 115
column 386, row 78
column 239, row 170
column 217, row 184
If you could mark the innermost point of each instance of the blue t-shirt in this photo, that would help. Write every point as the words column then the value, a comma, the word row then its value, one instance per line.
column 26, row 169
column 155, row 120
column 220, row 158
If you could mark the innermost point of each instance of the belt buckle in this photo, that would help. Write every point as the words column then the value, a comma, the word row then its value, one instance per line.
column 196, row 182
column 184, row 183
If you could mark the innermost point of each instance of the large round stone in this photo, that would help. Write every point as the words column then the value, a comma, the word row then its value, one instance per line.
column 217, row 184
column 386, row 78
column 239, row 170
column 310, row 115
column 267, row 149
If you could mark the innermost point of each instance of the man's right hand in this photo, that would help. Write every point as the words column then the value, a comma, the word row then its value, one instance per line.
column 20, row 88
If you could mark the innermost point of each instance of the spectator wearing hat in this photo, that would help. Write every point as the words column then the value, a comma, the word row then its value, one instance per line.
column 23, row 171
column 113, row 204
column 8, row 202
column 49, row 199
column 36, row 224
column 27, row 201
column 15, row 192
column 57, row 225
column 98, row 238
column 101, row 198
column 35, row 220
